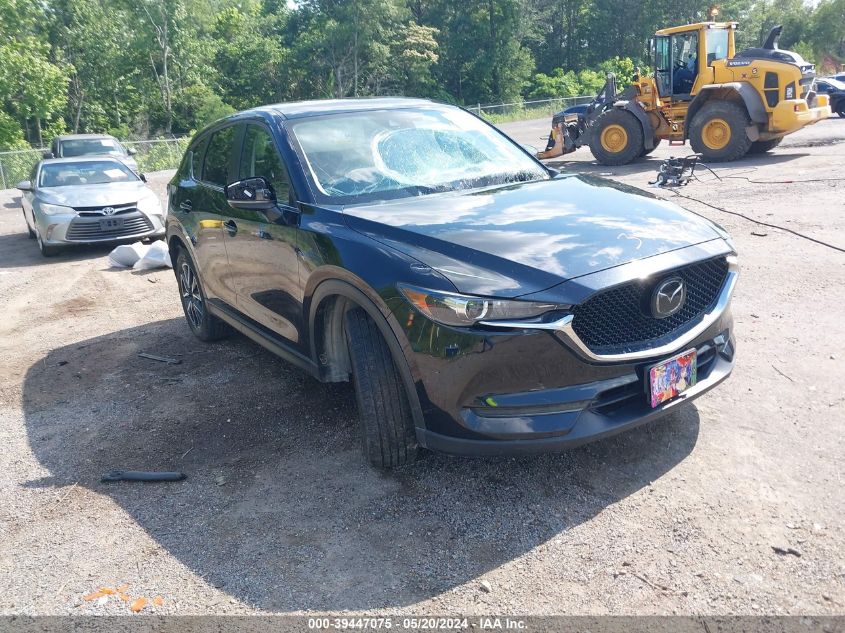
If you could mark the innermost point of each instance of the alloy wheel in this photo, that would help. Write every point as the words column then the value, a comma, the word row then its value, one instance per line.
column 191, row 295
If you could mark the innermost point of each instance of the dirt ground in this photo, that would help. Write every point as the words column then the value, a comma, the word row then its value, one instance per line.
column 280, row 514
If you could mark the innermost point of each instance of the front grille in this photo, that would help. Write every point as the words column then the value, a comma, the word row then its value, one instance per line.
column 619, row 320
column 90, row 229
column 98, row 211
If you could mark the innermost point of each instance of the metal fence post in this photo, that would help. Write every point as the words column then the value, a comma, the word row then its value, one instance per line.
column 2, row 174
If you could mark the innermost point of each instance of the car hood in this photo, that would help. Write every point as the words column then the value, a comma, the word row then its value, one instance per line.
column 517, row 239
column 114, row 194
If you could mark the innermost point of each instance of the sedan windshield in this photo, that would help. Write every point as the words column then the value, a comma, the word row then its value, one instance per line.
column 87, row 146
column 89, row 172
column 365, row 156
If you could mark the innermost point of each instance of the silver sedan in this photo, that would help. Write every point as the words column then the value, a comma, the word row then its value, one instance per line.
column 88, row 200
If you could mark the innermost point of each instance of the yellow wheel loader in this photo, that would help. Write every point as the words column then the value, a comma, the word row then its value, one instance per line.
column 726, row 104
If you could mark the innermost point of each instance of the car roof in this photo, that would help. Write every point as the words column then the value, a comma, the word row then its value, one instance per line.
column 88, row 158
column 69, row 137
column 316, row 107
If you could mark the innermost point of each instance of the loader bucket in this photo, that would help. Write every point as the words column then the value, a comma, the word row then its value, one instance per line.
column 563, row 138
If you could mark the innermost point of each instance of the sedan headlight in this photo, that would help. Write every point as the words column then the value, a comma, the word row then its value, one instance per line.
column 150, row 205
column 55, row 209
column 464, row 310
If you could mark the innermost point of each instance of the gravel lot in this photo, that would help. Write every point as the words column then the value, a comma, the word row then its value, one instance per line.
column 280, row 514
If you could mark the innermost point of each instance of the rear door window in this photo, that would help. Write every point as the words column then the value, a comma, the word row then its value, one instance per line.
column 215, row 169
column 197, row 154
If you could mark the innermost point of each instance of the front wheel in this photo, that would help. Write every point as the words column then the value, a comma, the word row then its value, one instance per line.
column 204, row 325
column 616, row 138
column 717, row 131
column 28, row 228
column 46, row 249
column 842, row 112
column 646, row 152
column 388, row 438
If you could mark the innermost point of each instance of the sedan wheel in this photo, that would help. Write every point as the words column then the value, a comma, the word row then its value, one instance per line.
column 28, row 228
column 46, row 249
column 204, row 325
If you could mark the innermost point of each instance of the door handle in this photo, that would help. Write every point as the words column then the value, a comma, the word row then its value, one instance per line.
column 230, row 227
column 186, row 206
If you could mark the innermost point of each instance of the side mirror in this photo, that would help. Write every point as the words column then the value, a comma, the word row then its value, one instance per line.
column 143, row 177
column 24, row 185
column 251, row 193
column 48, row 155
column 131, row 151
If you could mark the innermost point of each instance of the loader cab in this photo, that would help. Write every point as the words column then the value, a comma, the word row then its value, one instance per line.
column 684, row 55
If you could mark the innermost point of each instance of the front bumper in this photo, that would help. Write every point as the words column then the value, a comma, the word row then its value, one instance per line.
column 78, row 229
column 558, row 419
column 525, row 388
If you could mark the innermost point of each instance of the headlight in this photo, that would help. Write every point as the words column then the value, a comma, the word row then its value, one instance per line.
column 150, row 205
column 55, row 209
column 463, row 310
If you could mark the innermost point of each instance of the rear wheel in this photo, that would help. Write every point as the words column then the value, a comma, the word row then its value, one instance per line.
column 616, row 138
column 758, row 147
column 841, row 112
column 718, row 131
column 388, row 438
column 203, row 324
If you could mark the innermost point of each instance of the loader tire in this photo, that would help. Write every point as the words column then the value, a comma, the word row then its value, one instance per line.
column 759, row 147
column 616, row 138
column 646, row 152
column 718, row 133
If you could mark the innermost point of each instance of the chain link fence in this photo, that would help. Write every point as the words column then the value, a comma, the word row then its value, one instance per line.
column 521, row 110
column 152, row 155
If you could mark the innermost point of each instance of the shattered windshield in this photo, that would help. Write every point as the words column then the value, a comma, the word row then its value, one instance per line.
column 365, row 156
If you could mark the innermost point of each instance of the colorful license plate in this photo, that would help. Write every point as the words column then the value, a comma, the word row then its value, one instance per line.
column 672, row 377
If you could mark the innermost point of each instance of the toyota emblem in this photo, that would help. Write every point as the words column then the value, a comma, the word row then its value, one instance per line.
column 108, row 211
column 669, row 297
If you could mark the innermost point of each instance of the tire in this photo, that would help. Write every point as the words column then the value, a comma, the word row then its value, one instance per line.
column 616, row 138
column 646, row 152
column 204, row 325
column 842, row 112
column 46, row 249
column 759, row 147
column 28, row 228
column 388, row 438
column 722, row 124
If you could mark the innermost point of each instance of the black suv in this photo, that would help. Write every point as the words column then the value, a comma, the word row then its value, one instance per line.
column 481, row 303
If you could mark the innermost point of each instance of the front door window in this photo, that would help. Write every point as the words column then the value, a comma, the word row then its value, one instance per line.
column 685, row 62
column 663, row 65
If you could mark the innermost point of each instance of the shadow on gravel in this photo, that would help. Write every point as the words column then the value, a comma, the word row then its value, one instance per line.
column 18, row 250
column 279, row 509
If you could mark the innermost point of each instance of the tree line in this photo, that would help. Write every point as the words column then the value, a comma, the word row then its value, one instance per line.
column 143, row 68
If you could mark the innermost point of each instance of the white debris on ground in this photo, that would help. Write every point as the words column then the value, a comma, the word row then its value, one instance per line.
column 140, row 256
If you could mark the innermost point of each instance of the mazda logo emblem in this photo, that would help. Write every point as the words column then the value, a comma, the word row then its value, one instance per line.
column 108, row 211
column 669, row 297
